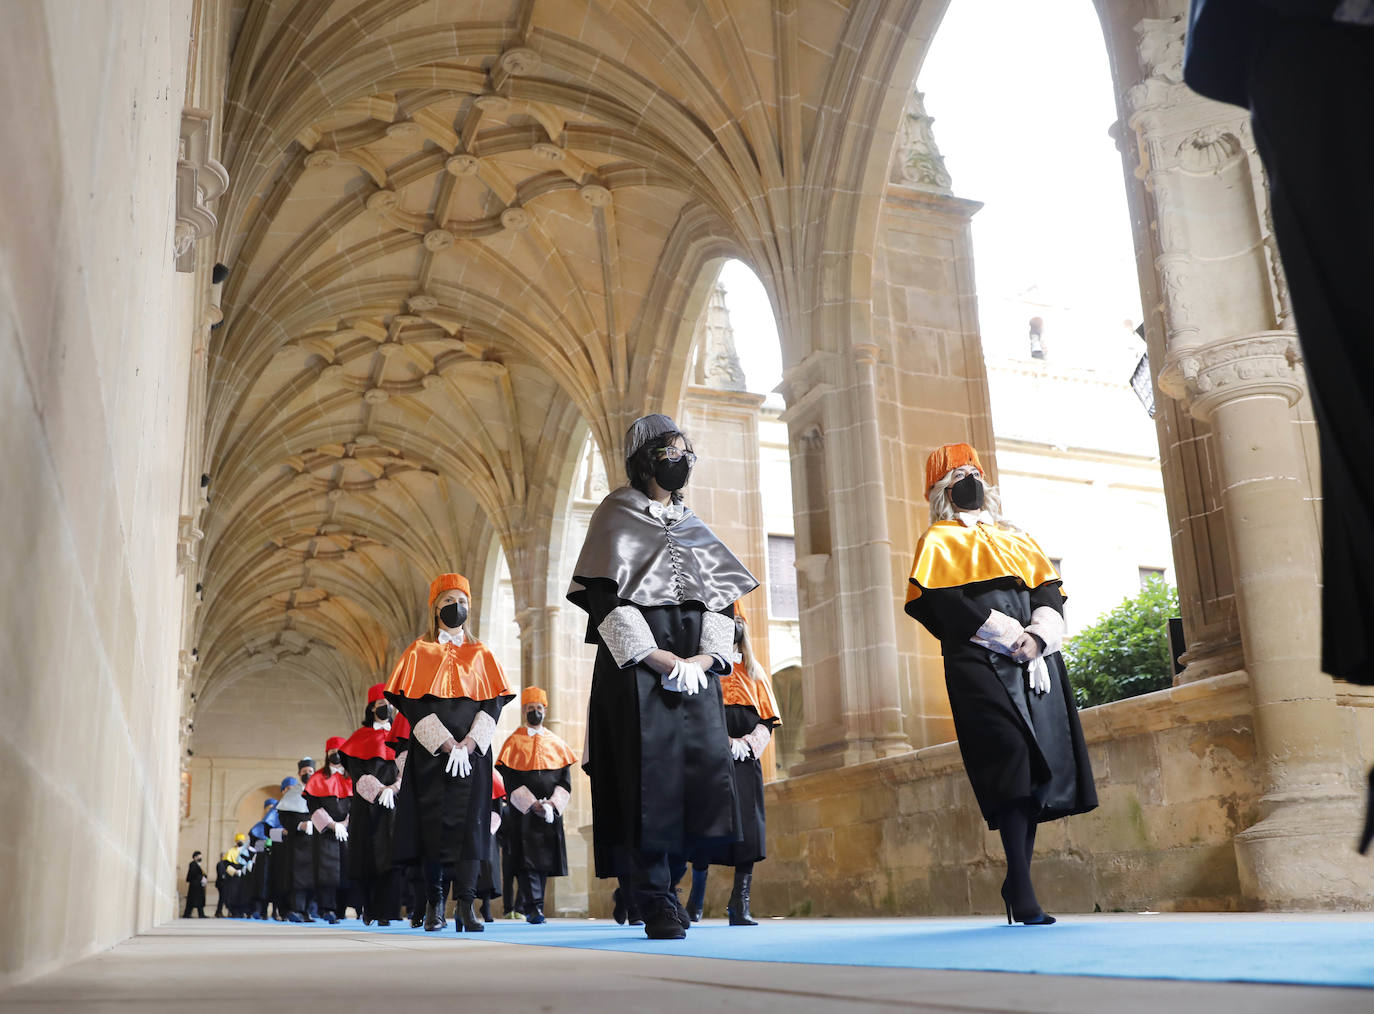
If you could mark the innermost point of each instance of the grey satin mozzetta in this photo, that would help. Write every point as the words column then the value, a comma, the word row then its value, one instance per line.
column 653, row 564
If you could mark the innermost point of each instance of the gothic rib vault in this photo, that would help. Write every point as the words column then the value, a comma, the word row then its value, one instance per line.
column 458, row 233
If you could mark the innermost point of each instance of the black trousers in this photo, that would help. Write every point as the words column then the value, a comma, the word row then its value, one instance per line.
column 532, row 889
column 378, row 897
column 1310, row 84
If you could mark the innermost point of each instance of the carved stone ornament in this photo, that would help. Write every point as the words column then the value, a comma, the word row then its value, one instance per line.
column 200, row 179
column 1161, row 59
column 422, row 302
column 383, row 201
column 596, row 195
column 188, row 541
column 515, row 219
column 548, row 152
column 438, row 239
column 325, row 158
column 1250, row 366
column 918, row 162
column 463, row 165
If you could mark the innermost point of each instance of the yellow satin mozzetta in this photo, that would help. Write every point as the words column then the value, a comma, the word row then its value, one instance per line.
column 949, row 555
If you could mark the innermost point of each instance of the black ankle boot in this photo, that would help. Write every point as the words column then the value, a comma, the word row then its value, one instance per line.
column 465, row 919
column 662, row 922
column 738, row 907
column 696, row 898
column 434, row 908
column 486, row 910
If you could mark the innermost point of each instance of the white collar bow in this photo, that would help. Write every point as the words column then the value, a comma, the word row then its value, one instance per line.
column 971, row 518
column 446, row 638
column 532, row 730
column 672, row 512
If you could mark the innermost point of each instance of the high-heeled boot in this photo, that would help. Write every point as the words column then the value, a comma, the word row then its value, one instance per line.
column 434, row 907
column 696, row 898
column 738, row 906
column 464, row 918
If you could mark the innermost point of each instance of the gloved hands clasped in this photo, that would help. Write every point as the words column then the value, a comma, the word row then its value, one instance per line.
column 686, row 677
column 387, row 799
column 459, row 763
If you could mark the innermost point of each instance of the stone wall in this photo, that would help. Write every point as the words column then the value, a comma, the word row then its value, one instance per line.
column 95, row 341
column 1177, row 780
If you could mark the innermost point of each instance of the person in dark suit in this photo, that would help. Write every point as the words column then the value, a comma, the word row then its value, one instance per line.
column 195, row 887
column 1305, row 70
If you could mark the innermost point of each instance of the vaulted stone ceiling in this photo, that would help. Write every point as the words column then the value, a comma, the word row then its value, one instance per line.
column 459, row 230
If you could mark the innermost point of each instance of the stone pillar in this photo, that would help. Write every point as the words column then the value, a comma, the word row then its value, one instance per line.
column 1222, row 341
column 1299, row 855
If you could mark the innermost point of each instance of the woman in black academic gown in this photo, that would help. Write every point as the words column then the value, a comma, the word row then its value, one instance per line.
column 451, row 690
column 329, row 794
column 993, row 599
column 659, row 591
column 376, row 778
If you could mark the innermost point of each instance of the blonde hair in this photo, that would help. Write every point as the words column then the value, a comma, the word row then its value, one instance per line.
column 942, row 507
column 432, row 631
column 746, row 651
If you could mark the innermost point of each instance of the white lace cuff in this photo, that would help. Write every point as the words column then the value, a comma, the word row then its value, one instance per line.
column 368, row 787
column 522, row 799
column 998, row 632
column 321, row 820
column 1048, row 625
column 560, row 799
column 626, row 635
column 758, row 739
column 276, row 834
column 430, row 733
column 400, row 768
column 483, row 729
column 717, row 635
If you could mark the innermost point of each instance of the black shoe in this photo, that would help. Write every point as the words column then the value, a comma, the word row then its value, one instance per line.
column 331, row 918
column 621, row 911
column 486, row 910
column 417, row 919
column 682, row 916
column 465, row 919
column 535, row 915
column 383, row 922
column 696, row 898
column 664, row 924
column 295, row 917
column 738, row 907
column 434, row 916
column 1367, row 835
column 1032, row 917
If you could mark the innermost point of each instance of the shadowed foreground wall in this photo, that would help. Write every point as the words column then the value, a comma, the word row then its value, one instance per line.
column 94, row 353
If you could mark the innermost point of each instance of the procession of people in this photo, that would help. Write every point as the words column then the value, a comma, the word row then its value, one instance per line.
column 419, row 807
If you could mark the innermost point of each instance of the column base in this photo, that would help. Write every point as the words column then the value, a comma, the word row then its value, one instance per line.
column 1301, row 857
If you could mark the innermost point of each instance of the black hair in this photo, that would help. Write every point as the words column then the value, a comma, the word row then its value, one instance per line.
column 639, row 466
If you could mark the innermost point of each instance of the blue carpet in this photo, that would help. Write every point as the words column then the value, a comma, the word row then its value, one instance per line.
column 1275, row 949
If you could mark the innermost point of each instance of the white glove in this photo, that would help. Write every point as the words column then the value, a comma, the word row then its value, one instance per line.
column 1039, row 675
column 387, row 799
column 458, row 763
column 549, row 813
column 307, row 827
column 693, row 678
column 341, row 832
column 739, row 749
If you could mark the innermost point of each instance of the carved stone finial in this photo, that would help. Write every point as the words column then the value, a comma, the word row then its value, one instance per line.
column 200, row 179
column 718, row 364
column 918, row 162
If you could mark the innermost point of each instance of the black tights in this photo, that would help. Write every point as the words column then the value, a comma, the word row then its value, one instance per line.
column 1017, row 825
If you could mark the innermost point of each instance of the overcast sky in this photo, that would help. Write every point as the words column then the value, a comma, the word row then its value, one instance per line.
column 1022, row 99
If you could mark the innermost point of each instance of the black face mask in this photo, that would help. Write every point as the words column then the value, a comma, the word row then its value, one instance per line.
column 336, row 758
column 381, row 713
column 534, row 718
column 672, row 475
column 967, row 493
column 455, row 614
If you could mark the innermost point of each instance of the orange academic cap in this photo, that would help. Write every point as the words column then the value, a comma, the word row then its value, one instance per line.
column 448, row 582
column 533, row 695
column 946, row 459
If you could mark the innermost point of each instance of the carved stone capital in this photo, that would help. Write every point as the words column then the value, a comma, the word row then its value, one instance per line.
column 200, row 179
column 1262, row 364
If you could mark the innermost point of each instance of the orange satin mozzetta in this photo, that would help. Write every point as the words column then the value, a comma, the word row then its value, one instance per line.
column 742, row 689
column 544, row 752
column 950, row 555
column 450, row 671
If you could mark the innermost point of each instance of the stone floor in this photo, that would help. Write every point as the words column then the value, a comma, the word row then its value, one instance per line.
column 236, row 966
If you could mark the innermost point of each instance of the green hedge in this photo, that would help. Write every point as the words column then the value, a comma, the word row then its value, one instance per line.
column 1126, row 652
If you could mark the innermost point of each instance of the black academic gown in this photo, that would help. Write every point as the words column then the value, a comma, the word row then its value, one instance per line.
column 195, row 890
column 536, row 845
column 293, row 862
column 740, row 721
column 371, row 826
column 1015, row 744
column 449, row 817
column 684, row 798
column 329, row 854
